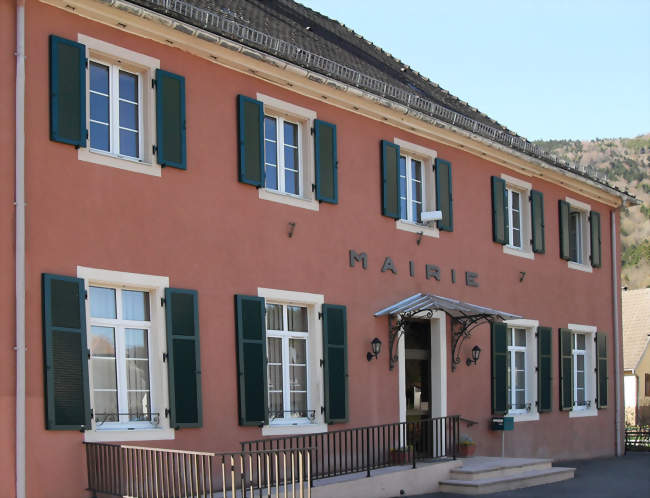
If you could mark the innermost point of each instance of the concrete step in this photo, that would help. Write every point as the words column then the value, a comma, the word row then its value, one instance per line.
column 477, row 468
column 520, row 480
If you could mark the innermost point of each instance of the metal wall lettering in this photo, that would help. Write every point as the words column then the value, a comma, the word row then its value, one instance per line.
column 389, row 265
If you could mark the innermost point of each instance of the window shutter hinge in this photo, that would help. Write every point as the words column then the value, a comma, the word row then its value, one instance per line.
column 320, row 315
column 92, row 414
column 162, row 301
column 167, row 412
column 536, row 334
column 88, row 350
column 321, row 363
column 322, row 410
column 154, row 148
column 165, row 356
column 536, row 369
column 86, row 62
column 153, row 83
column 311, row 130
column 313, row 187
column 86, row 295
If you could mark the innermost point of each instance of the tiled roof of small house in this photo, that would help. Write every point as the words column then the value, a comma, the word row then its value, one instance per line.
column 636, row 326
column 293, row 32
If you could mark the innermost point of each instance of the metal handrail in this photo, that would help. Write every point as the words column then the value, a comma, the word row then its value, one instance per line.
column 363, row 449
column 467, row 421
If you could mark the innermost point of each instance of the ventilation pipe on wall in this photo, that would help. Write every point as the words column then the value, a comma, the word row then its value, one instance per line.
column 617, row 346
column 20, row 249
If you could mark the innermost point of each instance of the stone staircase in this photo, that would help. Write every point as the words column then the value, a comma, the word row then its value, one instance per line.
column 481, row 475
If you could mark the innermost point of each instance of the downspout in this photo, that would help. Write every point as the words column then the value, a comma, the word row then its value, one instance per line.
column 617, row 346
column 20, row 249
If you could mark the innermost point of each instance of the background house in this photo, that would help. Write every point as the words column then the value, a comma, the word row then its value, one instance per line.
column 636, row 355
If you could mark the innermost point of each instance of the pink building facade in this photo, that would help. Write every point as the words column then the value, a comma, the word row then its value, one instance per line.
column 189, row 304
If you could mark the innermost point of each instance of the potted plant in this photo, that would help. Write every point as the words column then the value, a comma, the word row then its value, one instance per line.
column 400, row 456
column 466, row 447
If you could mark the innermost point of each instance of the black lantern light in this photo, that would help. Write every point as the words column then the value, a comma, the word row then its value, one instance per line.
column 476, row 352
column 376, row 349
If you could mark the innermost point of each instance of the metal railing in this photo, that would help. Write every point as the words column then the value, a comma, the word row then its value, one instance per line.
column 362, row 449
column 637, row 438
column 223, row 21
column 142, row 472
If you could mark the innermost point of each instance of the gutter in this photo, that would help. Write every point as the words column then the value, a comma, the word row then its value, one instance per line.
column 617, row 346
column 20, row 249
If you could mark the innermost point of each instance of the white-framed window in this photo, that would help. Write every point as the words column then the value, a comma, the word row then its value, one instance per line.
column 416, row 187
column 579, row 241
column 519, row 218
column 121, row 107
column 294, row 350
column 126, row 341
column 288, row 153
column 521, row 369
column 583, row 350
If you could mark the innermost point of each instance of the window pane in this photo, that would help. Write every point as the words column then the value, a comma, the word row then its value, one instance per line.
column 290, row 158
column 580, row 341
column 102, row 302
column 417, row 191
column 297, row 318
column 580, row 362
column 416, row 170
column 129, row 115
column 101, row 341
column 509, row 337
column 298, row 378
column 276, row 408
column 274, row 349
column 105, row 406
column 275, row 377
column 274, row 318
column 129, row 143
column 128, row 86
column 135, row 343
column 104, row 376
column 298, row 404
column 99, row 108
column 99, row 136
column 297, row 351
column 520, row 399
column 270, row 152
column 580, row 396
column 402, row 187
column 291, row 182
column 403, row 213
column 575, row 246
column 137, row 375
column 519, row 360
column 139, row 406
column 99, row 78
column 271, row 180
column 290, row 134
column 520, row 380
column 516, row 238
column 417, row 212
column 520, row 337
column 135, row 305
column 270, row 128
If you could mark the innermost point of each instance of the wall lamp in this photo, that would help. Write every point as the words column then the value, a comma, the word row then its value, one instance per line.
column 376, row 349
column 476, row 352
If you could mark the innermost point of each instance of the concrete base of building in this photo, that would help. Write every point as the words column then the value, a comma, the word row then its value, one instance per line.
column 389, row 482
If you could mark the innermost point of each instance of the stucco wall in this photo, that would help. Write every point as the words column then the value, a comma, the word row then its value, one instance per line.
column 208, row 232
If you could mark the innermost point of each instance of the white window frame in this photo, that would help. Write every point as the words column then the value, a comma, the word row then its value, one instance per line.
column 315, row 386
column 304, row 118
column 427, row 158
column 158, row 374
column 590, row 410
column 531, row 414
column 583, row 208
column 144, row 66
column 523, row 188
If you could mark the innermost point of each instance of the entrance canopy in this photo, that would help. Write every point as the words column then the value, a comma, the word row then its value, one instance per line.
column 454, row 308
column 464, row 316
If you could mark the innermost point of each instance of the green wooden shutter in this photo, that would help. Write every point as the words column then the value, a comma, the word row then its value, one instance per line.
column 444, row 195
column 594, row 224
column 499, row 368
column 250, row 115
column 563, row 209
column 335, row 363
column 184, row 359
column 326, row 162
column 601, row 370
column 67, row 92
column 499, row 211
column 170, row 119
column 251, row 360
column 544, row 369
column 566, row 370
column 390, row 205
column 537, row 221
column 66, row 353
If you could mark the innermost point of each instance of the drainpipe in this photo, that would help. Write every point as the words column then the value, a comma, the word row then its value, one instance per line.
column 20, row 249
column 617, row 362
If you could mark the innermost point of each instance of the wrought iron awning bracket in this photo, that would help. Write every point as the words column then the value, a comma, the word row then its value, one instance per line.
column 461, row 329
column 398, row 326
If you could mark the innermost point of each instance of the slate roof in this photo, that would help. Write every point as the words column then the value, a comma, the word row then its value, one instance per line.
column 636, row 326
column 312, row 33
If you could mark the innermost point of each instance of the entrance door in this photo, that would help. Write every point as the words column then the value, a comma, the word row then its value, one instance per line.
column 418, row 371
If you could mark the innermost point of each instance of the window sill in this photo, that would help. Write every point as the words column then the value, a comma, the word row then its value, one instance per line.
column 89, row 156
column 290, row 200
column 409, row 226
column 525, row 417
column 580, row 266
column 293, row 429
column 111, row 435
column 522, row 253
column 589, row 412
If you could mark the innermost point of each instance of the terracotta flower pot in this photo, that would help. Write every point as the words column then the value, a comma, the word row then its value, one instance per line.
column 466, row 450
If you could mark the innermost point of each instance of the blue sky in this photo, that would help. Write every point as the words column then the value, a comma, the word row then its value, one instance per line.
column 570, row 69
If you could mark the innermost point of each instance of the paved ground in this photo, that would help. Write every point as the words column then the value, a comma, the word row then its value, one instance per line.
column 625, row 477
